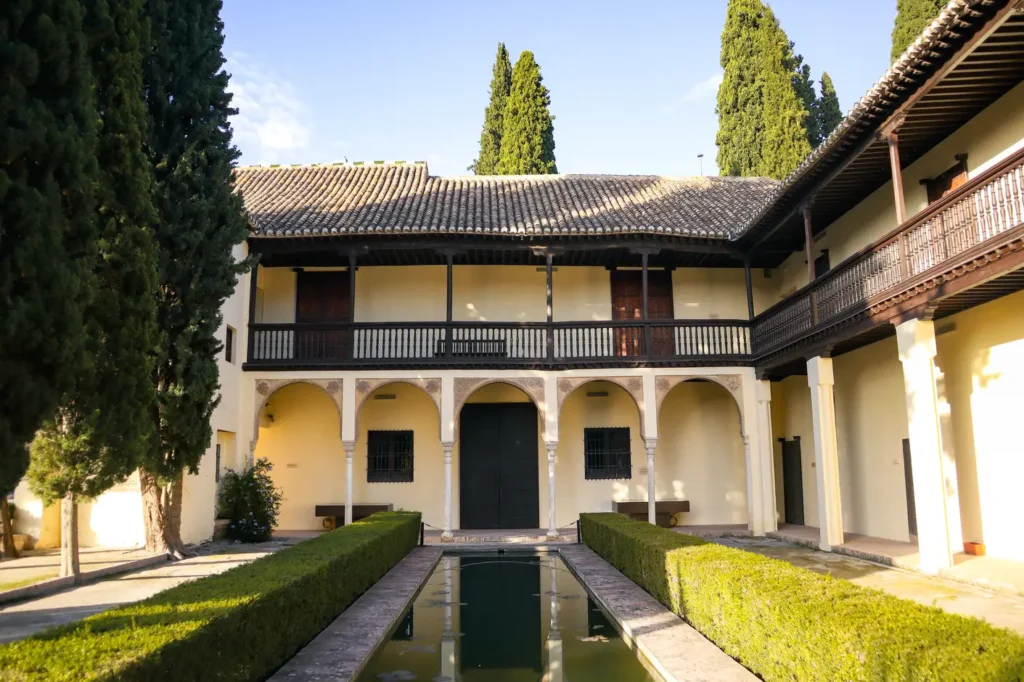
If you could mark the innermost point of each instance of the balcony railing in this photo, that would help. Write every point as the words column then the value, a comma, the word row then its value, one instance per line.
column 561, row 344
column 961, row 225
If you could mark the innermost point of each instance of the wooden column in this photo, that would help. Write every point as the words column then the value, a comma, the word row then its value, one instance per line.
column 643, row 306
column 449, row 256
column 550, row 332
column 253, row 286
column 892, row 137
column 750, row 288
column 809, row 254
column 352, row 287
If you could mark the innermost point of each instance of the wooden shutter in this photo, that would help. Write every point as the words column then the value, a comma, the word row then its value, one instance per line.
column 948, row 181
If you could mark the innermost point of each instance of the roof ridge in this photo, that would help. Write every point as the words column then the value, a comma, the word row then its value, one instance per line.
column 330, row 164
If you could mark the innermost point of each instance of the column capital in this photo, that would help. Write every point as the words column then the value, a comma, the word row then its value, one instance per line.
column 650, row 444
column 764, row 391
column 551, row 445
column 447, row 447
column 350, row 447
column 819, row 372
column 916, row 339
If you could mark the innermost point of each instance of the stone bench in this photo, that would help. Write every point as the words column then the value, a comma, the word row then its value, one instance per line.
column 334, row 514
column 663, row 510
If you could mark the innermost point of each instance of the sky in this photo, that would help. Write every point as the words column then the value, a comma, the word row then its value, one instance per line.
column 633, row 84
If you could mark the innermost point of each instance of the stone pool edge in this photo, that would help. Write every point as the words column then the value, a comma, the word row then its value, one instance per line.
column 667, row 643
column 342, row 649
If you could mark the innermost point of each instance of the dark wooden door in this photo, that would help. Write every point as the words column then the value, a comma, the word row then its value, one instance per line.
column 628, row 302
column 792, row 481
column 908, row 474
column 498, row 466
column 322, row 298
column 500, row 617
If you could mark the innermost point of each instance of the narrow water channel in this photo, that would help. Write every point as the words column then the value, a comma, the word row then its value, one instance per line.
column 514, row 617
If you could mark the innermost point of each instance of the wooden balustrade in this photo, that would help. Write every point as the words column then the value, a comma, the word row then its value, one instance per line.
column 933, row 241
column 498, row 344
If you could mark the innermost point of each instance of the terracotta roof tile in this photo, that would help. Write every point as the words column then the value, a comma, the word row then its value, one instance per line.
column 375, row 199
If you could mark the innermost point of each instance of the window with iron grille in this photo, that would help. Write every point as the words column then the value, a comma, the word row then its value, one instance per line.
column 389, row 457
column 606, row 453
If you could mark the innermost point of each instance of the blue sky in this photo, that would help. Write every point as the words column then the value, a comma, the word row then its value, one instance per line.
column 632, row 84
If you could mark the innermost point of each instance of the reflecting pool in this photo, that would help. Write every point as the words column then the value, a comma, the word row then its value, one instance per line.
column 513, row 617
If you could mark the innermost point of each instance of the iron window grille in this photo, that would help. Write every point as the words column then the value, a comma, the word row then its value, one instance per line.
column 389, row 457
column 606, row 453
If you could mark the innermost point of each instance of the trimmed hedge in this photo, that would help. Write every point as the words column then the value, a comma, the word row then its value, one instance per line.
column 239, row 625
column 788, row 623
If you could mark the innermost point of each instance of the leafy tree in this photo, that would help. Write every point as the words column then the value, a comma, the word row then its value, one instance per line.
column 528, row 131
column 912, row 18
column 101, row 429
column 827, row 113
column 46, row 171
column 486, row 162
column 761, row 116
column 199, row 224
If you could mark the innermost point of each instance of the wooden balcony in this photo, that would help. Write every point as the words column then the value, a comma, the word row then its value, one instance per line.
column 968, row 235
column 500, row 344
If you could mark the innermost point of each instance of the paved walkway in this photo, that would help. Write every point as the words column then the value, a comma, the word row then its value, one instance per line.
column 27, row 618
column 1003, row 610
column 35, row 565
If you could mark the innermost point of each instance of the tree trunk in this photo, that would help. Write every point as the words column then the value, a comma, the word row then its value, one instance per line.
column 161, row 506
column 8, row 529
column 69, row 566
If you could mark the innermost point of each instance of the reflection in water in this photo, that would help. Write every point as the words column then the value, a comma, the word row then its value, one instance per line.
column 504, row 618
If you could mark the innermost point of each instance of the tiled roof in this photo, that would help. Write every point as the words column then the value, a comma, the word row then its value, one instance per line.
column 403, row 198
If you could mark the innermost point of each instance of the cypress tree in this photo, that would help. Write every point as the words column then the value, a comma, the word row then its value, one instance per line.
column 528, row 131
column 761, row 116
column 912, row 17
column 804, row 86
column 827, row 113
column 100, row 429
column 46, row 173
column 199, row 223
column 486, row 162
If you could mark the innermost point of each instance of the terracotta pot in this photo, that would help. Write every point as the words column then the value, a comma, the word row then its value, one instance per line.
column 975, row 548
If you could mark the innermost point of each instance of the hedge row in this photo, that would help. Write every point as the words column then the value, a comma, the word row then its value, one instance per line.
column 240, row 625
column 787, row 623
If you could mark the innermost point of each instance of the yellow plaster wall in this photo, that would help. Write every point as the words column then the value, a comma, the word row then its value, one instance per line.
column 411, row 409
column 303, row 442
column 982, row 361
column 401, row 294
column 278, row 285
column 791, row 417
column 114, row 519
column 987, row 138
column 718, row 293
column 871, row 423
column 700, row 455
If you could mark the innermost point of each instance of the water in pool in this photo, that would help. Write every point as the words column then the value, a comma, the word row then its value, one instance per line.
column 504, row 618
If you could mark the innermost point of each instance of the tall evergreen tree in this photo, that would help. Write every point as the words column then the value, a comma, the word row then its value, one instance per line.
column 46, row 173
column 761, row 116
column 486, row 162
column 528, row 130
column 804, row 86
column 827, row 113
column 101, row 429
column 912, row 17
column 199, row 224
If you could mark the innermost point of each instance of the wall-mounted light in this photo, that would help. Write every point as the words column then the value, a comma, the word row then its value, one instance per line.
column 384, row 396
column 597, row 394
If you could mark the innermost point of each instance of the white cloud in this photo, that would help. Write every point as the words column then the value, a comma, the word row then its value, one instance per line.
column 271, row 120
column 705, row 88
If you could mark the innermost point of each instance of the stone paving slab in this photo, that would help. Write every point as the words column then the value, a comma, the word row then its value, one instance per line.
column 339, row 653
column 673, row 648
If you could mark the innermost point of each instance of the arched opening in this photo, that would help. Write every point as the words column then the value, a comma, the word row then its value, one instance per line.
column 300, row 433
column 700, row 455
column 498, row 457
column 398, row 458
column 601, row 457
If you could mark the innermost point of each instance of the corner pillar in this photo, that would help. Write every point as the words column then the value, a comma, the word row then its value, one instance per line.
column 651, row 444
column 821, row 380
column 766, row 447
column 446, row 535
column 350, row 450
column 934, row 474
column 552, row 528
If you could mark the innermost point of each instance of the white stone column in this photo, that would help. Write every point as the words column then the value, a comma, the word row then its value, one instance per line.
column 552, row 527
column 350, row 450
column 934, row 474
column 448, row 637
column 650, row 444
column 826, row 451
column 447, row 534
column 555, row 664
column 766, row 446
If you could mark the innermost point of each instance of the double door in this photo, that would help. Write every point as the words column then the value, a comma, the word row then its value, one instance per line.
column 627, row 305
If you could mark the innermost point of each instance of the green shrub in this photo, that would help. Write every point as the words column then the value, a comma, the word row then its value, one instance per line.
column 787, row 623
column 240, row 625
column 250, row 502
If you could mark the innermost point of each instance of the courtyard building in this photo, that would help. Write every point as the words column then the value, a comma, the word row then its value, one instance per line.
column 838, row 353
